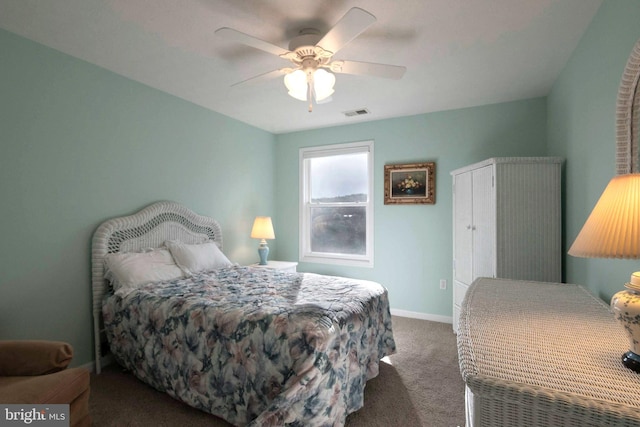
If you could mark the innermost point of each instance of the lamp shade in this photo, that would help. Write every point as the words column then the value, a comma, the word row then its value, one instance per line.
column 296, row 82
column 323, row 82
column 262, row 228
column 613, row 228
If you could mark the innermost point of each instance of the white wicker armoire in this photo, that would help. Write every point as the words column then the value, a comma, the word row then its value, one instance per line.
column 506, row 222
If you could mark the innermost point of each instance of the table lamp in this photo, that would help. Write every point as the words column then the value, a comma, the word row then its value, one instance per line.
column 613, row 231
column 263, row 229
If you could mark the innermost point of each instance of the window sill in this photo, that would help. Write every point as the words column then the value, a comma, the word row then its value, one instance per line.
column 350, row 262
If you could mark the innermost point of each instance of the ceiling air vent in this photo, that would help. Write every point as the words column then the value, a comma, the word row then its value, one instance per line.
column 358, row 112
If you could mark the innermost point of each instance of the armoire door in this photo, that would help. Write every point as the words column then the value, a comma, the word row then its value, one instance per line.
column 483, row 225
column 462, row 224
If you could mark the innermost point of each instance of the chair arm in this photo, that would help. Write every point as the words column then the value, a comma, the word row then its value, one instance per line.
column 31, row 357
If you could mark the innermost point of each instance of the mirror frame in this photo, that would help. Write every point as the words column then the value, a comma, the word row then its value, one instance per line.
column 628, row 115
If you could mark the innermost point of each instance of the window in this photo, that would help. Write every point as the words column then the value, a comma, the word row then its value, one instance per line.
column 336, row 207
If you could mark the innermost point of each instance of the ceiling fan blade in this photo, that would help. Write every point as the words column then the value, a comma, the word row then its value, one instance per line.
column 354, row 22
column 236, row 36
column 368, row 69
column 263, row 77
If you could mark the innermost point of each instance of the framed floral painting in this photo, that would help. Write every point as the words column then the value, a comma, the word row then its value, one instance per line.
column 410, row 183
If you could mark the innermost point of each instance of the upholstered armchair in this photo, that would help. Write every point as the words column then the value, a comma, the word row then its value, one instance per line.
column 35, row 372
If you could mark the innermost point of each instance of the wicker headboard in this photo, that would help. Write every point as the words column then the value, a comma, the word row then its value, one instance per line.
column 148, row 228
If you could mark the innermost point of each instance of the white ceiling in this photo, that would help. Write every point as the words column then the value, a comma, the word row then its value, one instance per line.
column 458, row 53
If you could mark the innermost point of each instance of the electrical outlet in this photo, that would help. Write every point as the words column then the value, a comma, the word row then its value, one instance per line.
column 443, row 284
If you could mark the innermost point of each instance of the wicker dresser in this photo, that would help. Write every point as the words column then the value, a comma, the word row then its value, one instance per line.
column 543, row 354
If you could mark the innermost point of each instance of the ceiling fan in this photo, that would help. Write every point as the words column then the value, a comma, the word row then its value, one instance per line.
column 311, row 55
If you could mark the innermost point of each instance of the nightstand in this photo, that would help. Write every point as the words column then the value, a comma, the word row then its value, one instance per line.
column 287, row 266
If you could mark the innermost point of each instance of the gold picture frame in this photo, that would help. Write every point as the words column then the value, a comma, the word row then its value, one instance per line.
column 410, row 184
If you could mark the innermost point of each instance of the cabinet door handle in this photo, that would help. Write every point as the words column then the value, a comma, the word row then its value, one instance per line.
column 468, row 227
column 473, row 228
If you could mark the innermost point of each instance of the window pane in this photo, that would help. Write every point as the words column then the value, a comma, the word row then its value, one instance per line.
column 337, row 179
column 336, row 221
column 339, row 230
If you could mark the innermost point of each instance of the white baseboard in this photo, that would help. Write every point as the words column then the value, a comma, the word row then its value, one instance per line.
column 422, row 316
column 104, row 361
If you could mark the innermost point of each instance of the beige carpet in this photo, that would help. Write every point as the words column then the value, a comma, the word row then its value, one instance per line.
column 421, row 387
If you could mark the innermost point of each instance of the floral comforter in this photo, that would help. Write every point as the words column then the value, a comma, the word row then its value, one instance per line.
column 255, row 346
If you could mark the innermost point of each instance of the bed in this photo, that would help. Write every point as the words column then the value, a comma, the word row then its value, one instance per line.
column 253, row 346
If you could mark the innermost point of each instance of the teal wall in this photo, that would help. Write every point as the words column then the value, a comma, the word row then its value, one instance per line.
column 80, row 144
column 581, row 128
column 413, row 243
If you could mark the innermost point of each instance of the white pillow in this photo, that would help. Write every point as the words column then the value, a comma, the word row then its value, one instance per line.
column 127, row 271
column 193, row 259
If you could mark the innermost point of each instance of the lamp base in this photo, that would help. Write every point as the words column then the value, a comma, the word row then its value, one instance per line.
column 631, row 361
column 625, row 306
column 263, row 251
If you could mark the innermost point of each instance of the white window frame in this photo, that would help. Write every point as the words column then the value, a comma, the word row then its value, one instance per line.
column 306, row 255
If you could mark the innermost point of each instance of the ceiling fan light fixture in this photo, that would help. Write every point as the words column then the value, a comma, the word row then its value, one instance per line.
column 296, row 83
column 323, row 82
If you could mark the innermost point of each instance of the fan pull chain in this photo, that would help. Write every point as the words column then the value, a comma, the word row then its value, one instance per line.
column 310, row 91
